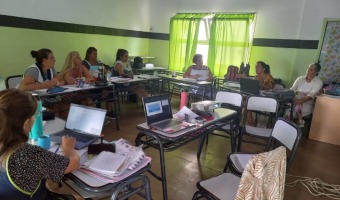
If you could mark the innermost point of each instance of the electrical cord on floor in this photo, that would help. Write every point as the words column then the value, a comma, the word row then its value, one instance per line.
column 317, row 187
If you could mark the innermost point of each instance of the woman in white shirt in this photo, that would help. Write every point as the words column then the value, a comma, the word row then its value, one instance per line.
column 307, row 87
column 198, row 71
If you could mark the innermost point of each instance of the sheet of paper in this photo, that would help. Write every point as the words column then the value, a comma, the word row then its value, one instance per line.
column 186, row 110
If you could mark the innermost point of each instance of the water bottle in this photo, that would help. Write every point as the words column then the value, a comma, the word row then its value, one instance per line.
column 100, row 73
column 37, row 128
column 108, row 76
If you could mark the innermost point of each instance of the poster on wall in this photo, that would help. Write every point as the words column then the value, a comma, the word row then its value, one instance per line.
column 330, row 53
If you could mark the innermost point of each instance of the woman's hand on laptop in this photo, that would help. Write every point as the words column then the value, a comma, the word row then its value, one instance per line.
column 68, row 144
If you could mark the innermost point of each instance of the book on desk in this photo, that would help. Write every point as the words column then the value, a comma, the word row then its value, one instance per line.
column 107, row 165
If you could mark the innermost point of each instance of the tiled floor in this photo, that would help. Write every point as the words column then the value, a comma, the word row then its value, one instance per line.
column 313, row 159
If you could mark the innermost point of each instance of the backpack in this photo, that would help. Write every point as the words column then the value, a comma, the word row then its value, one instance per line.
column 137, row 63
column 232, row 73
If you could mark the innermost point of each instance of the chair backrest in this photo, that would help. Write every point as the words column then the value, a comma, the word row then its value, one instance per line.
column 13, row 81
column 287, row 134
column 232, row 73
column 264, row 176
column 231, row 98
column 262, row 104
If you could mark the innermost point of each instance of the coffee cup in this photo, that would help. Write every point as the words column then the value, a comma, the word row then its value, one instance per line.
column 44, row 141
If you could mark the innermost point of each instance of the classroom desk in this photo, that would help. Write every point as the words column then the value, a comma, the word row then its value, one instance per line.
column 151, row 70
column 283, row 103
column 72, row 89
column 165, row 142
column 169, row 79
column 137, row 79
column 89, row 187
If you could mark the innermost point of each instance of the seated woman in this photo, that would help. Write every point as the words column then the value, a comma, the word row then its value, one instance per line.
column 73, row 69
column 92, row 63
column 266, row 82
column 199, row 72
column 42, row 74
column 263, row 75
column 121, row 67
column 94, row 66
column 306, row 87
column 25, row 167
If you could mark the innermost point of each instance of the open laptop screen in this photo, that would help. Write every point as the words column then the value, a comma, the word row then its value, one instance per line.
column 86, row 119
column 157, row 108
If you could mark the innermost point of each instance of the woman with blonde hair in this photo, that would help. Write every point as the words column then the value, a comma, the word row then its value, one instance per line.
column 73, row 69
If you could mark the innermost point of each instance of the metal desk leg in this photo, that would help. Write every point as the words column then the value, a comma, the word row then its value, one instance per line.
column 121, row 186
column 162, row 160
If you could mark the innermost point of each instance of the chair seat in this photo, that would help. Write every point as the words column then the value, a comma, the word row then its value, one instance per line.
column 261, row 132
column 240, row 160
column 223, row 186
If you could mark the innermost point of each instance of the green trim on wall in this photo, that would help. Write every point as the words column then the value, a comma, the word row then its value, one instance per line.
column 20, row 22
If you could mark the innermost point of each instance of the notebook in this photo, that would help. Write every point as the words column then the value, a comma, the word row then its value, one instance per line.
column 83, row 123
column 250, row 86
column 158, row 114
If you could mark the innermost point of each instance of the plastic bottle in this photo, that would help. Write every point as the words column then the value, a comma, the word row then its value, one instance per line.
column 37, row 128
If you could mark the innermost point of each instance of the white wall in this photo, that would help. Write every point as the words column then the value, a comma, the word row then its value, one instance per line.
column 288, row 19
column 122, row 14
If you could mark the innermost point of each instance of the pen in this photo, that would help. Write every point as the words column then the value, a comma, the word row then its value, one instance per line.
column 56, row 151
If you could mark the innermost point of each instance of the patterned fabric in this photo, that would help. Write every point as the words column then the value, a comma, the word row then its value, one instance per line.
column 266, row 81
column 264, row 176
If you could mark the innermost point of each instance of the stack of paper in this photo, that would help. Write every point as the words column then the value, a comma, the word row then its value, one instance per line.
column 108, row 164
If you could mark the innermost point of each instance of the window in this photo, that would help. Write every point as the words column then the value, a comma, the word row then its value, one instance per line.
column 222, row 39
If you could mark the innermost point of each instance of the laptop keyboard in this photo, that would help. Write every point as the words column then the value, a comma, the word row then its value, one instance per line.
column 168, row 123
column 80, row 137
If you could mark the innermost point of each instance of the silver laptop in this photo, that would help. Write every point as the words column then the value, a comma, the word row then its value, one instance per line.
column 249, row 86
column 159, row 115
column 83, row 123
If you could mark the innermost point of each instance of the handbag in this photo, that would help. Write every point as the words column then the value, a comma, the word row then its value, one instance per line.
column 332, row 89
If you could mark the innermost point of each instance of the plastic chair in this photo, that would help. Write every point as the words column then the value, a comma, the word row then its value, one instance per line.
column 285, row 133
column 13, row 81
column 258, row 105
column 233, row 101
column 264, row 178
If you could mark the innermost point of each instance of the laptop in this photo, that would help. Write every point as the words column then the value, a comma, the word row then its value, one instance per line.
column 158, row 114
column 250, row 86
column 83, row 123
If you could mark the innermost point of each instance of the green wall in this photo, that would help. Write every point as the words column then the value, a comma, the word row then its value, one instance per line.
column 286, row 63
column 16, row 44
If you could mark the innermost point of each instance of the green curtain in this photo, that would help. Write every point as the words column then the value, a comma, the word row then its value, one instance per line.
column 184, row 29
column 229, row 42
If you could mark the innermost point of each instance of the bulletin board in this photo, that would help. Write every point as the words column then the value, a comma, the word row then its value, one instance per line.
column 329, row 52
